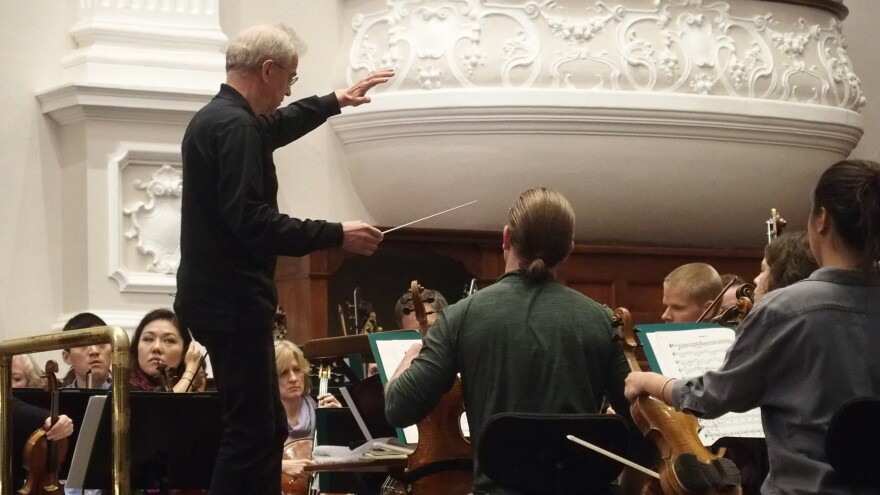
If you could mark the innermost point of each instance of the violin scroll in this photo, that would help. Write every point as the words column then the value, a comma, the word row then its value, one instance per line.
column 775, row 225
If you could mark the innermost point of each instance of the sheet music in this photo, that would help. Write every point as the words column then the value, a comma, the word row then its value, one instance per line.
column 688, row 353
column 391, row 353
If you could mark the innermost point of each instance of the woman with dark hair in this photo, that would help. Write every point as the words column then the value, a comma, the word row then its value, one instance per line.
column 787, row 260
column 158, row 341
column 807, row 348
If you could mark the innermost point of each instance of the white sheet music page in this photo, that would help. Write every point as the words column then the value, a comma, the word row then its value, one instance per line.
column 391, row 353
column 689, row 353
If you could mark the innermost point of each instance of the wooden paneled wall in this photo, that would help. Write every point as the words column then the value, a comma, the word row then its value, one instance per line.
column 613, row 275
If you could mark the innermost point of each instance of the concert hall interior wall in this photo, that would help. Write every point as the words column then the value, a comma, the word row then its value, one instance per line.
column 90, row 142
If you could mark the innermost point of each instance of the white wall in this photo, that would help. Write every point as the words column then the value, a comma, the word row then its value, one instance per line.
column 314, row 181
column 864, row 50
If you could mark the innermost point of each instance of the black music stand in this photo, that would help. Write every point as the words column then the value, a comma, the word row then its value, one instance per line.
column 850, row 444
column 174, row 442
column 530, row 452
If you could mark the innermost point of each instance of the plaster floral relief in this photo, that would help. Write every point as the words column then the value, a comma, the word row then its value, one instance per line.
column 725, row 48
column 155, row 223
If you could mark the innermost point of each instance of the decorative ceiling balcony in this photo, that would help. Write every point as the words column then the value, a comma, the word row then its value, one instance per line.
column 670, row 122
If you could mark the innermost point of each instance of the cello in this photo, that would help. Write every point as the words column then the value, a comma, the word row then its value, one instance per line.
column 443, row 460
column 686, row 467
column 43, row 457
column 302, row 449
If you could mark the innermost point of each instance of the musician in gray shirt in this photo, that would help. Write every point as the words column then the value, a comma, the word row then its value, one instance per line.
column 808, row 348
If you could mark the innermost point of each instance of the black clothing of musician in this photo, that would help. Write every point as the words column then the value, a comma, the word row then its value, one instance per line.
column 231, row 233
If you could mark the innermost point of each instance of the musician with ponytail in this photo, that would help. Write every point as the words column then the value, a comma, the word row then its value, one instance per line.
column 526, row 344
column 808, row 348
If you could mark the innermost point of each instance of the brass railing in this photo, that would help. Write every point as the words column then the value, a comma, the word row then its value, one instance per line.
column 118, row 339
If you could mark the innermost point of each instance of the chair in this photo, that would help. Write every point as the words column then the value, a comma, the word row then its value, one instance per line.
column 852, row 439
column 530, row 452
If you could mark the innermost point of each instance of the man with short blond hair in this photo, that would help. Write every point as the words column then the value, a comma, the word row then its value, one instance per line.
column 688, row 291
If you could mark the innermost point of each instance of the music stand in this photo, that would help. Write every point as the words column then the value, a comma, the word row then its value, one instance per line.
column 529, row 452
column 174, row 442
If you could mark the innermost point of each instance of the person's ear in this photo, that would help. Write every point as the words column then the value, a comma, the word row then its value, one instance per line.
column 65, row 356
column 265, row 67
column 570, row 250
column 823, row 221
column 505, row 238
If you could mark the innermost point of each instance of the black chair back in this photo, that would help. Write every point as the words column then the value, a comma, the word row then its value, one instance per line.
column 852, row 440
column 530, row 452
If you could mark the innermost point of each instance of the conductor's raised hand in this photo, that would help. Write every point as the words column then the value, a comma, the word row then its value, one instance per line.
column 356, row 94
column 360, row 238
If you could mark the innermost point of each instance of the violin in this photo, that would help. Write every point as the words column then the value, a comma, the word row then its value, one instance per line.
column 443, row 460
column 734, row 315
column 43, row 457
column 686, row 467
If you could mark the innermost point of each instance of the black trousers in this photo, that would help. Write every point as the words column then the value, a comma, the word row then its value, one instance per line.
column 255, row 424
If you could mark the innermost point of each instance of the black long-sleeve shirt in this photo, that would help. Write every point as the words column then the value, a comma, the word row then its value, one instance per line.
column 231, row 229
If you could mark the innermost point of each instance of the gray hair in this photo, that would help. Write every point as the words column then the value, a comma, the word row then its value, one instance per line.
column 250, row 48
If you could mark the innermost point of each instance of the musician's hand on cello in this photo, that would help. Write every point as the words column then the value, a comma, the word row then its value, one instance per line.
column 328, row 400
column 642, row 382
column 294, row 467
column 63, row 428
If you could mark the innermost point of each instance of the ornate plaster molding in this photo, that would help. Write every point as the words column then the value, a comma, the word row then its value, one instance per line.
column 745, row 49
column 151, row 224
column 155, row 223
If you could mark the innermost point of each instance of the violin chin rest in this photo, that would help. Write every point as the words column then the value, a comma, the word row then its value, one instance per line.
column 699, row 477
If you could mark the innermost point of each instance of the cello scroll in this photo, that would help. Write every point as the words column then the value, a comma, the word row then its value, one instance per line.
column 442, row 461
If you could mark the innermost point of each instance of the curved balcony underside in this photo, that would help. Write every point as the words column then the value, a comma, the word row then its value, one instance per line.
column 643, row 168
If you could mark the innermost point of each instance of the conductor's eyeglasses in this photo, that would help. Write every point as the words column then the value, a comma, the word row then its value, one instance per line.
column 291, row 77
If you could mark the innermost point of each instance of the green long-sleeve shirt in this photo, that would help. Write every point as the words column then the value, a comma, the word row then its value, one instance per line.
column 520, row 346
